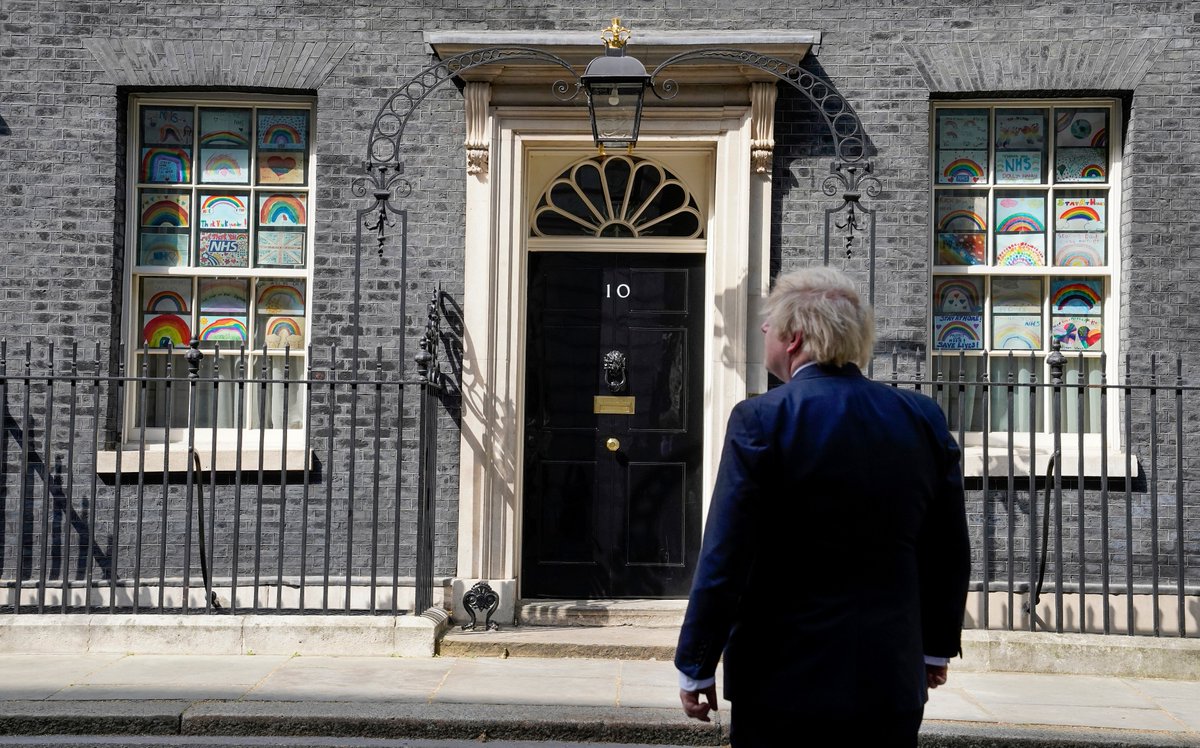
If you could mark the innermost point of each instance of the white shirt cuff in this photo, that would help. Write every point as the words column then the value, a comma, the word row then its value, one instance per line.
column 688, row 683
column 937, row 661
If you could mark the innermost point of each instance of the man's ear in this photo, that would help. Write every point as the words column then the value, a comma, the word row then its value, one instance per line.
column 796, row 342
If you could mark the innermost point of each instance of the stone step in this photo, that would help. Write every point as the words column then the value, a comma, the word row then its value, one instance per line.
column 598, row 629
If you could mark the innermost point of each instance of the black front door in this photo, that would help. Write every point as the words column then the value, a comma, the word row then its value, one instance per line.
column 612, row 452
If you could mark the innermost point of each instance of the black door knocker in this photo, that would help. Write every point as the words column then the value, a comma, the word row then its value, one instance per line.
column 614, row 371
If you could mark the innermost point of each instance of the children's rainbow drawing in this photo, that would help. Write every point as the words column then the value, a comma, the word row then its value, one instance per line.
column 282, row 129
column 1017, row 332
column 224, row 249
column 162, row 330
column 1021, row 253
column 1021, row 223
column 962, row 219
column 281, row 210
column 1081, row 164
column 281, row 167
column 1076, row 127
column 957, row 296
column 167, row 126
column 1020, row 131
column 274, row 297
column 962, row 171
column 225, row 167
column 1076, row 296
column 1079, row 250
column 165, row 213
column 1078, row 333
column 223, row 212
column 1079, row 213
column 957, row 333
column 164, row 165
column 960, row 249
column 281, row 332
column 223, row 328
column 224, row 295
column 962, row 128
column 167, row 301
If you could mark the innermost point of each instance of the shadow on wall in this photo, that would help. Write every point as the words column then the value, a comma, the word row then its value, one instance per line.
column 4, row 128
column 805, row 147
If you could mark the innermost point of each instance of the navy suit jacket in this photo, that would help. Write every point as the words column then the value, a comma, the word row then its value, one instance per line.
column 835, row 553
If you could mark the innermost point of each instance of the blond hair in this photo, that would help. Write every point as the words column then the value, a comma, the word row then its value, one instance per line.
column 822, row 303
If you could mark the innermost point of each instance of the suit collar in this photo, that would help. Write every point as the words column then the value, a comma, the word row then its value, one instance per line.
column 827, row 370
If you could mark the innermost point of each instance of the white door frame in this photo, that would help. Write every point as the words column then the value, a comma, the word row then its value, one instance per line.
column 494, row 301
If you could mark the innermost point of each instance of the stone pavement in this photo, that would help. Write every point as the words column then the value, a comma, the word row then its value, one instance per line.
column 519, row 698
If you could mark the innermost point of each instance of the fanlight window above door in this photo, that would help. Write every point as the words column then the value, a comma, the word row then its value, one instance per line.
column 619, row 197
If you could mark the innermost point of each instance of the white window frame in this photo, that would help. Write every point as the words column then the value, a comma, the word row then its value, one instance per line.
column 131, row 335
column 997, row 440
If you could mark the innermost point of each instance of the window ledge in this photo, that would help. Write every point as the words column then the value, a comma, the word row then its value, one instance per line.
column 1000, row 455
column 157, row 459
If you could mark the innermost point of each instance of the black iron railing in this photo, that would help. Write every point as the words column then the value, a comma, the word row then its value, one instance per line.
column 113, row 500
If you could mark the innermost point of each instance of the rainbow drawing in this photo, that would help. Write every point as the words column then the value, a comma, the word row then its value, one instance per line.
column 223, row 212
column 281, row 332
column 1079, row 213
column 957, row 333
column 166, row 165
column 1078, row 333
column 227, row 167
column 1021, row 223
column 163, row 330
column 1079, row 250
column 223, row 295
column 167, row 212
column 1092, row 171
column 281, row 210
column 955, row 295
column 1021, row 253
column 1076, row 295
column 962, row 220
column 223, row 328
column 167, row 301
column 962, row 170
column 280, row 135
column 1100, row 138
column 1021, row 332
column 280, row 297
column 224, row 139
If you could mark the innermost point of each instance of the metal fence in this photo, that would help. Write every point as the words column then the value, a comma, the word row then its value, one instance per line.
column 1082, row 494
column 111, row 500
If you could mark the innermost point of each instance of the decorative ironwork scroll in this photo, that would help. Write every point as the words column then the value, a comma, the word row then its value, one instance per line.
column 481, row 597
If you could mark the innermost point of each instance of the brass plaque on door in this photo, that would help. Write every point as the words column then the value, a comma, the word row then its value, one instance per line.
column 613, row 405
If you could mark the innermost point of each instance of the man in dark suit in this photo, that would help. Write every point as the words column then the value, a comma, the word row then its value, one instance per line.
column 833, row 573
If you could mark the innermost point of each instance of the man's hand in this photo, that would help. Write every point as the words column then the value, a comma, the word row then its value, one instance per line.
column 935, row 675
column 696, row 709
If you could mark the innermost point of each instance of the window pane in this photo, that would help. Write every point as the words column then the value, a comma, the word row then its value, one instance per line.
column 165, row 228
column 1079, row 224
column 224, row 231
column 1081, row 145
column 961, row 220
column 166, row 152
column 1021, row 229
column 1076, row 308
column 1017, row 314
column 224, row 306
column 1020, row 146
column 1081, row 397
column 161, row 395
column 957, row 313
column 960, row 392
column 962, row 146
column 282, row 142
column 277, row 402
column 166, row 312
column 280, row 314
column 225, row 146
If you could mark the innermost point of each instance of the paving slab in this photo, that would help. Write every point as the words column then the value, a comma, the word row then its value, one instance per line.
column 1050, row 690
column 353, row 679
column 185, row 670
column 36, row 676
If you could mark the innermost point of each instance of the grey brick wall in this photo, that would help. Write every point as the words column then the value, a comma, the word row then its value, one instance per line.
column 67, row 68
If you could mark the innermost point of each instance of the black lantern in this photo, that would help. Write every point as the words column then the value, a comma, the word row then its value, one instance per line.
column 615, row 86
